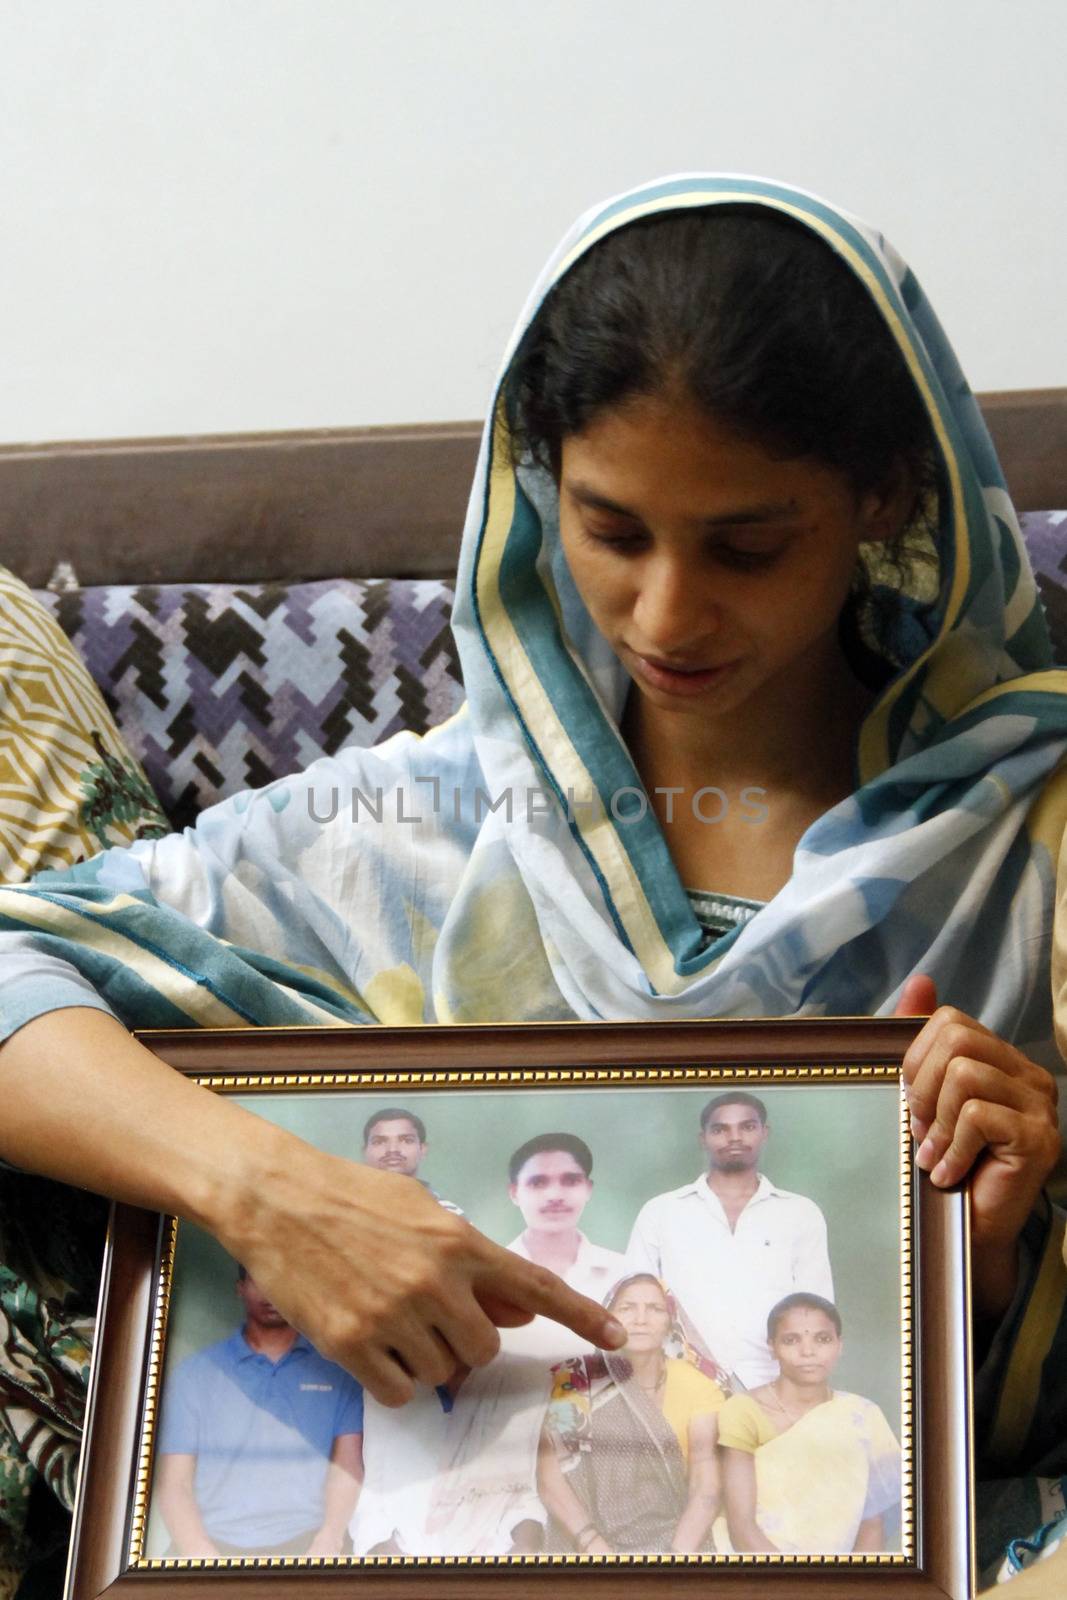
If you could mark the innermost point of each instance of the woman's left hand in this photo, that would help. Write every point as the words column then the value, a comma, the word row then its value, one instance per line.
column 979, row 1106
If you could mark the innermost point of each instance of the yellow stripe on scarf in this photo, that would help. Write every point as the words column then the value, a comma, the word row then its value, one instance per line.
column 198, row 1003
column 599, row 834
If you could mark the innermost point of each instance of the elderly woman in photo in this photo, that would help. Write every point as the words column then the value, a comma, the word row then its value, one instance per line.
column 807, row 1469
column 627, row 1459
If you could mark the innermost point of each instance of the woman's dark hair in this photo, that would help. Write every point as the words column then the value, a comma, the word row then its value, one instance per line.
column 750, row 313
column 802, row 1301
column 771, row 334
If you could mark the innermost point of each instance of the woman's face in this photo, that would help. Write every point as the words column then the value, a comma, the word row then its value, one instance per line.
column 642, row 1309
column 806, row 1346
column 716, row 571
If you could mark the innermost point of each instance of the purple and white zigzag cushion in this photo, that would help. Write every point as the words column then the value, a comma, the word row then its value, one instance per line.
column 218, row 688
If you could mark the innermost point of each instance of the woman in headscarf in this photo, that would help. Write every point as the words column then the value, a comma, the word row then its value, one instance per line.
column 627, row 1459
column 760, row 694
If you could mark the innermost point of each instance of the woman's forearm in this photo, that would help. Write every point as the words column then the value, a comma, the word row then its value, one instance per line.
column 694, row 1523
column 704, row 1486
column 380, row 1278
column 85, row 1102
column 748, row 1538
column 739, row 1490
column 557, row 1495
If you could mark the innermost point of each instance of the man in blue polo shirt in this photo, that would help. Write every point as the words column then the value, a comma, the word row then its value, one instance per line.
column 261, row 1443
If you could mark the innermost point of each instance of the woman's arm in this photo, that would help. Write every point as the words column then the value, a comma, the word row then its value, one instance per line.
column 739, row 1490
column 980, row 1107
column 563, row 1503
column 704, row 1487
column 373, row 1271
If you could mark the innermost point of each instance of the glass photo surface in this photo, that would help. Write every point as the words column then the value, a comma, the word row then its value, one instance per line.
column 752, row 1236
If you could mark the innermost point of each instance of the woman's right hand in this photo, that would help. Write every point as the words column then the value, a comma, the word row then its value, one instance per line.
column 366, row 1264
column 380, row 1277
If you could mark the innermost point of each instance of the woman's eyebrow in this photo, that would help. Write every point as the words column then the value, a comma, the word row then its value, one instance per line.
column 586, row 496
column 769, row 511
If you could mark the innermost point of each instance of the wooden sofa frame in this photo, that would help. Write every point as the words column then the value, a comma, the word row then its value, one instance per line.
column 356, row 502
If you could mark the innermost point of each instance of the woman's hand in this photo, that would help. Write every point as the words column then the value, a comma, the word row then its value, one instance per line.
column 979, row 1106
column 597, row 1547
column 381, row 1278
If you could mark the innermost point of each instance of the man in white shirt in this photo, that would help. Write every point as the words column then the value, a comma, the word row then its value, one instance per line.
column 731, row 1245
column 486, row 1502
column 463, row 1480
column 550, row 1181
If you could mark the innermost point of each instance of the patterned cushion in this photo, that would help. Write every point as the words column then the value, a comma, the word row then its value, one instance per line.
column 1046, row 539
column 68, row 785
column 218, row 688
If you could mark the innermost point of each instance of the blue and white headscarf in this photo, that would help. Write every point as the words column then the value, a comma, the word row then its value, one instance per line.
column 942, row 861
column 299, row 904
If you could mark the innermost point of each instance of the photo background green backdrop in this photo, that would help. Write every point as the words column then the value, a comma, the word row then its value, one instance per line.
column 839, row 1144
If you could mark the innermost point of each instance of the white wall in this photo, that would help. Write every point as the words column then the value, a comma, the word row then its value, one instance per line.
column 258, row 214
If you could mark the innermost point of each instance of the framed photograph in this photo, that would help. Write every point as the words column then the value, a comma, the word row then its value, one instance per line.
column 789, row 1414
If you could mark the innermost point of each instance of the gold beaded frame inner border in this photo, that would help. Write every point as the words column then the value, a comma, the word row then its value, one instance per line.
column 540, row 1078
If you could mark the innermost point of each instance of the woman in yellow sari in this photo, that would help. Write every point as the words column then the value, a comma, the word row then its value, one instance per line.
column 807, row 1470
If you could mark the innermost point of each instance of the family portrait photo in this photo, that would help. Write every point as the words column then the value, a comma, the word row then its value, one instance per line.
column 751, row 1239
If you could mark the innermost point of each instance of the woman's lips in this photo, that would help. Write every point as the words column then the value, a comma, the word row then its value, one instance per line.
column 678, row 680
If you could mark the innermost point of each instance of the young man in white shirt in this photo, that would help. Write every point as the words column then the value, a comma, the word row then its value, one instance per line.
column 487, row 1501
column 731, row 1244
column 463, row 1480
column 550, row 1181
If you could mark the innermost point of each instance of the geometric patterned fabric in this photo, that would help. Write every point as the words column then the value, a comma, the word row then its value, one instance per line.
column 1046, row 540
column 221, row 687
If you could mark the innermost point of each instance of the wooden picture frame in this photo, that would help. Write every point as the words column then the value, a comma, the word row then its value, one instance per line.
column 838, row 1079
